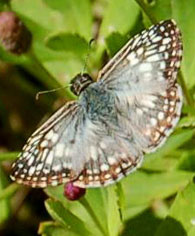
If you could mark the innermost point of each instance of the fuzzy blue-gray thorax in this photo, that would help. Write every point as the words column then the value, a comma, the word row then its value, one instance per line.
column 97, row 102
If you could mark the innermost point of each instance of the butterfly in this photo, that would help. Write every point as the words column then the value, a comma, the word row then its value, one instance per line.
column 129, row 111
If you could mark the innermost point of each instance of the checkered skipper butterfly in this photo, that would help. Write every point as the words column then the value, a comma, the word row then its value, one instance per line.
column 130, row 110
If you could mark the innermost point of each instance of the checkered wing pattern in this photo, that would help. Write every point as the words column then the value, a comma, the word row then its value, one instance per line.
column 72, row 147
column 45, row 159
column 129, row 111
column 142, row 76
column 148, row 100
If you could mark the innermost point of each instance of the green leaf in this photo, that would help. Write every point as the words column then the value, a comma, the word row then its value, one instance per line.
column 181, row 218
column 40, row 13
column 3, row 4
column 8, row 191
column 187, row 161
column 5, row 203
column 8, row 156
column 65, row 217
column 162, row 163
column 183, row 13
column 189, row 110
column 161, row 9
column 120, row 198
column 142, row 224
column 132, row 211
column 54, row 229
column 109, row 210
column 95, row 198
column 68, row 43
column 77, row 15
column 114, row 42
column 43, row 22
column 188, row 121
column 142, row 189
column 191, row 232
column 120, row 16
column 113, row 214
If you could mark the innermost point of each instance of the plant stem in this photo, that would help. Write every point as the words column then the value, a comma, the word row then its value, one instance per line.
column 49, row 80
column 9, row 191
column 153, row 20
column 84, row 202
column 147, row 11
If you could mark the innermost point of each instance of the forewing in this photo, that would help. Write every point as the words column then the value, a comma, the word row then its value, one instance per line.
column 155, row 50
column 142, row 77
column 45, row 158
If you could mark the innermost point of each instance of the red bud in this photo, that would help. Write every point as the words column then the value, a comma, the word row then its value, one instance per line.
column 72, row 192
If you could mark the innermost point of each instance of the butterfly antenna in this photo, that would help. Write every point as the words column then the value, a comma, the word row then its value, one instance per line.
column 49, row 91
column 87, row 56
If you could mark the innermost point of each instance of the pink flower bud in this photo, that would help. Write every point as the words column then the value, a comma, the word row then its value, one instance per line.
column 14, row 36
column 72, row 192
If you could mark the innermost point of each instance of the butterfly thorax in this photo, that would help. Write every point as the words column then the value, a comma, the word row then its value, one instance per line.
column 97, row 102
column 79, row 83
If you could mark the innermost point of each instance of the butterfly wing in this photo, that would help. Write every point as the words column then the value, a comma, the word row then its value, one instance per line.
column 110, row 154
column 142, row 77
column 72, row 147
column 45, row 159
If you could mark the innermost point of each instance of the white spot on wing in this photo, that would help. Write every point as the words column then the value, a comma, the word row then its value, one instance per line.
column 145, row 67
column 161, row 115
column 162, row 28
column 31, row 171
column 111, row 160
column 49, row 135
column 156, row 39
column 39, row 166
column 153, row 58
column 131, row 56
column 59, row 150
column 162, row 65
column 49, row 158
column 104, row 167
column 166, row 40
column 20, row 165
column 44, row 144
column 140, row 51
column 153, row 121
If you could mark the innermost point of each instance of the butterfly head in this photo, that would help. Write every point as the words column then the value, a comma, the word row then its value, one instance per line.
column 80, row 82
